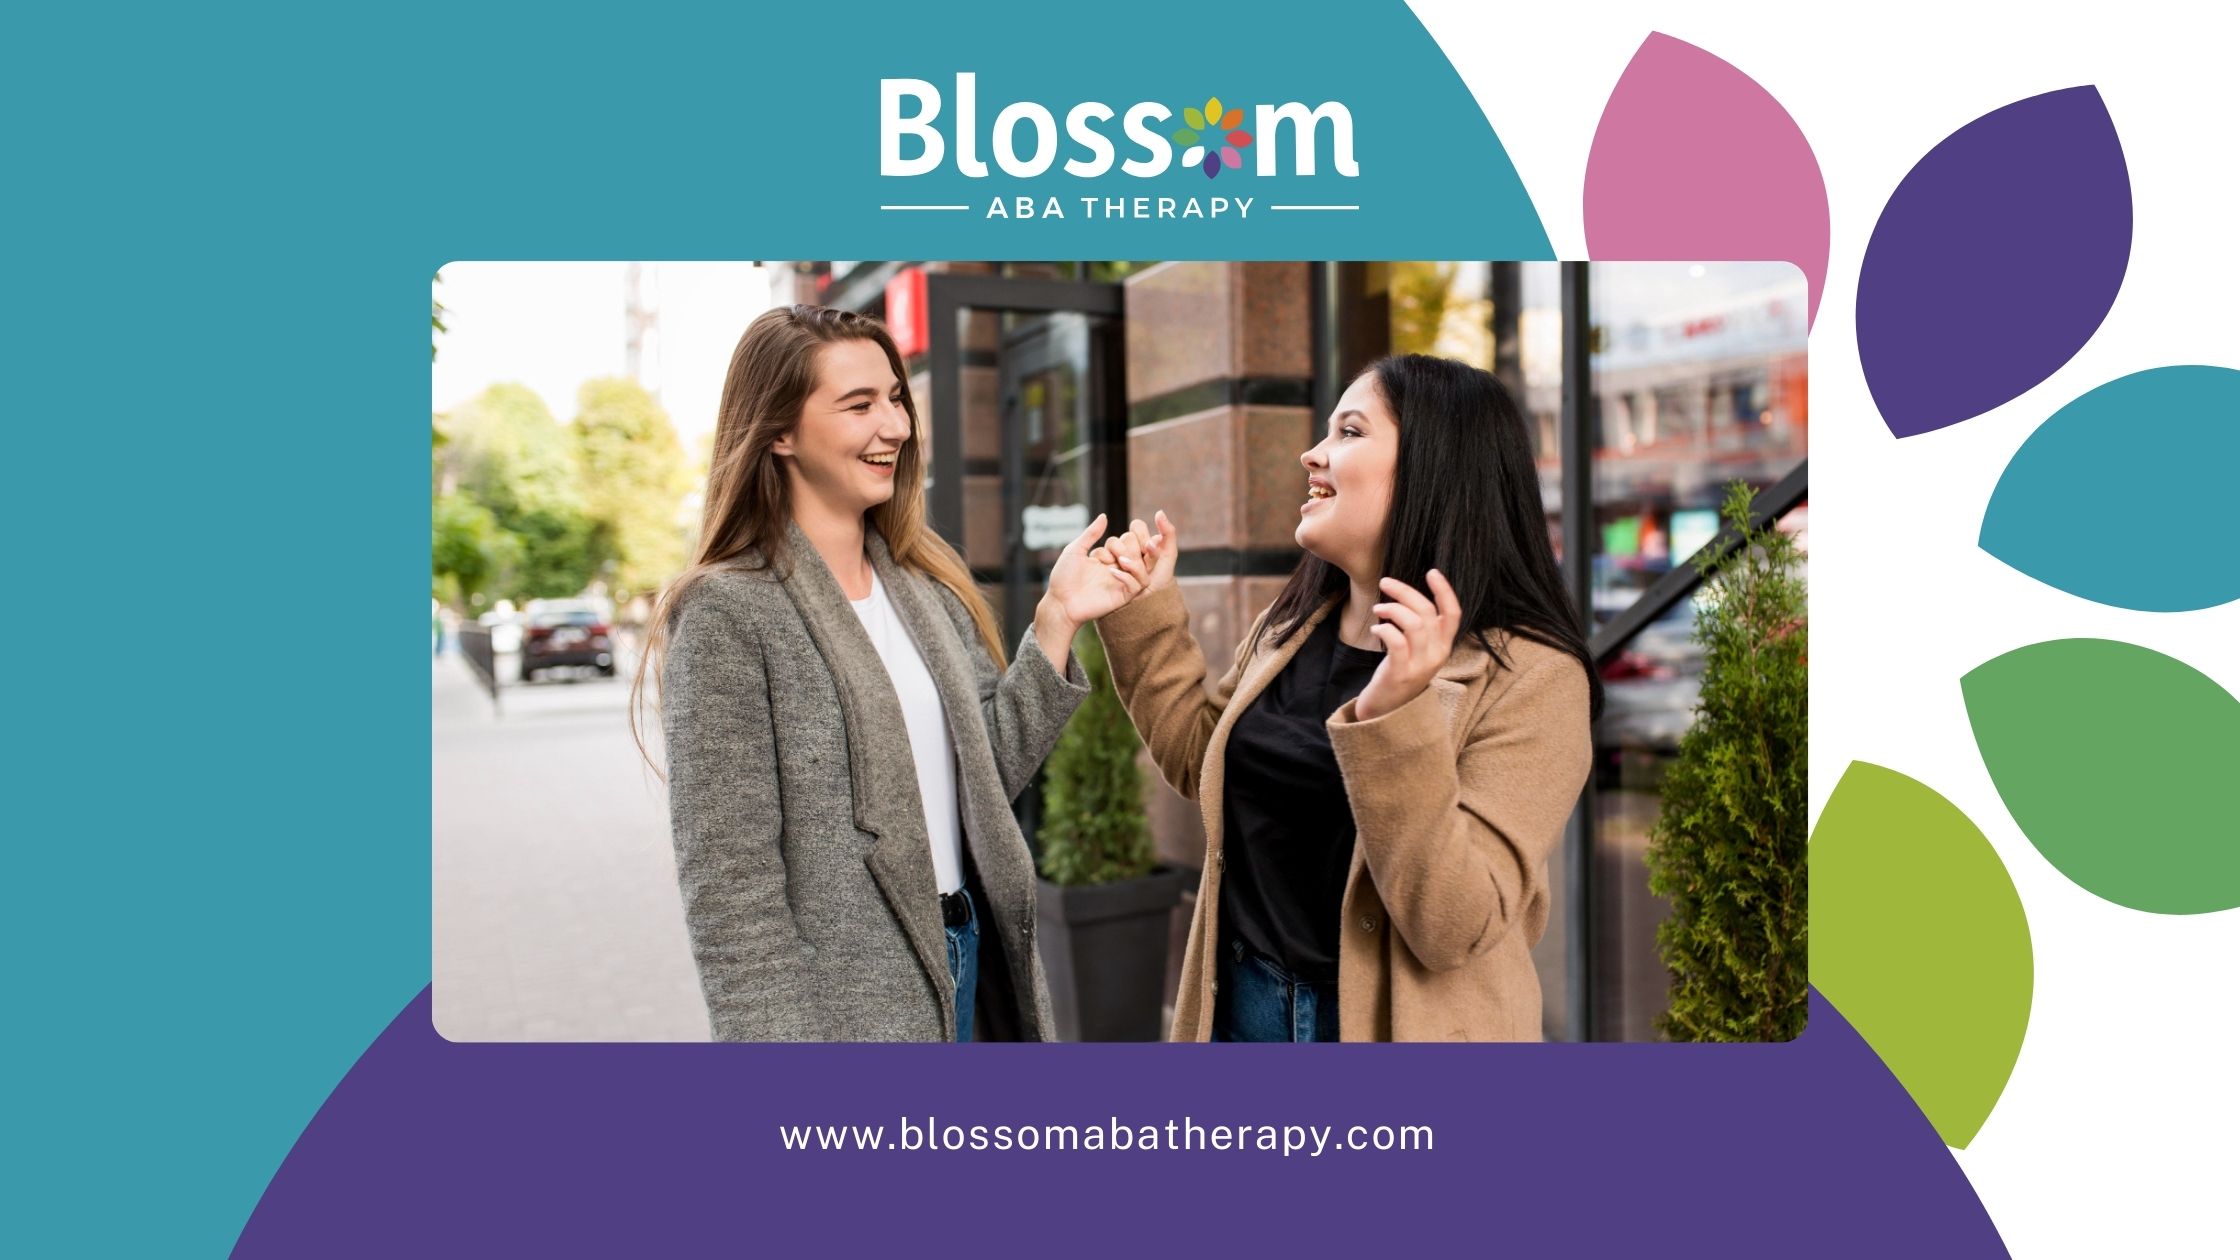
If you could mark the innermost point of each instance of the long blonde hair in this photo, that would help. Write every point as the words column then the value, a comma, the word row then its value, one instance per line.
column 749, row 501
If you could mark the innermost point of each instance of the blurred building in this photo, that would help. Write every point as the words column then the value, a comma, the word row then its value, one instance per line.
column 1053, row 391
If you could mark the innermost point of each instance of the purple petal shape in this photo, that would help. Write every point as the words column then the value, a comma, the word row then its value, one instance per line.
column 429, row 1148
column 1994, row 261
column 1213, row 165
column 1692, row 159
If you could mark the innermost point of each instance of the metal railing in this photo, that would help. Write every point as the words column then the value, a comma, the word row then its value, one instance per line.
column 1766, row 506
column 474, row 645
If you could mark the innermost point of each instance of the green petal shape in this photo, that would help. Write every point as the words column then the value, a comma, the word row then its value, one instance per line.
column 2118, row 763
column 1919, row 939
column 1183, row 135
column 1193, row 117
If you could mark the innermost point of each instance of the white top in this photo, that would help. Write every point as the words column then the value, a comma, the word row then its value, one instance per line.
column 928, row 725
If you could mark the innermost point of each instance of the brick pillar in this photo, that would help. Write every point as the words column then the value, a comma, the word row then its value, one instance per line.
column 1220, row 384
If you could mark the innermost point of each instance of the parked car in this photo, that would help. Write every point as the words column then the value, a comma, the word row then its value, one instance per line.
column 566, row 632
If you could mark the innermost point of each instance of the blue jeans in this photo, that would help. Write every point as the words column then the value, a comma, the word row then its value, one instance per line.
column 1260, row 1001
column 964, row 963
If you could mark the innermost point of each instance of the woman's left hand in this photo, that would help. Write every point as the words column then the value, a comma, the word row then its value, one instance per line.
column 1081, row 589
column 1417, row 634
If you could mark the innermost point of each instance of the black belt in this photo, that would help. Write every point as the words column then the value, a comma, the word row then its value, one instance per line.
column 956, row 908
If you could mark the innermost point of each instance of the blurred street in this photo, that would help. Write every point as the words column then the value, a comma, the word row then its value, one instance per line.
column 556, row 910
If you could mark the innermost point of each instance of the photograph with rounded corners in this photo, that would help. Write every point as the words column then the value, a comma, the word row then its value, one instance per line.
column 842, row 651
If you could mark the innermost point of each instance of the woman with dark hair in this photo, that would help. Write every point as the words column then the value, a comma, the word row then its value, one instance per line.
column 844, row 740
column 1387, row 765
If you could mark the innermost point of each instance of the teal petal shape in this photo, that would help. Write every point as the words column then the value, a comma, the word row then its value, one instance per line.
column 2118, row 763
column 2120, row 498
column 1919, row 939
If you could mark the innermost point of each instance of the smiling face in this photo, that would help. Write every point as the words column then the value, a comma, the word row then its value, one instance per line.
column 1349, row 482
column 841, row 455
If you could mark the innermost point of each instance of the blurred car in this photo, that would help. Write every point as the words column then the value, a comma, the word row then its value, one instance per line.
column 559, row 632
column 1650, row 685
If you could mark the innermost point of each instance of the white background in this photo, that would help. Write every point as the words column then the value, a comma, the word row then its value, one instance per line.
column 2115, row 1134
column 554, row 326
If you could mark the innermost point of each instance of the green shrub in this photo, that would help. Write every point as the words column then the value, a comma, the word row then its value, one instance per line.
column 1728, row 848
column 1093, row 828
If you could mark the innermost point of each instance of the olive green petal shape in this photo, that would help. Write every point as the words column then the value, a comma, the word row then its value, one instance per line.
column 1919, row 939
column 2119, row 763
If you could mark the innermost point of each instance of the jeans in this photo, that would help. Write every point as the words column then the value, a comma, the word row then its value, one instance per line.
column 964, row 964
column 1259, row 1001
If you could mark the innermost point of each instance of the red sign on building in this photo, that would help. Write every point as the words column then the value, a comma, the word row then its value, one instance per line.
column 906, row 310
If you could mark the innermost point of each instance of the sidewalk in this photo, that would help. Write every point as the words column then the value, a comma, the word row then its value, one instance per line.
column 555, row 898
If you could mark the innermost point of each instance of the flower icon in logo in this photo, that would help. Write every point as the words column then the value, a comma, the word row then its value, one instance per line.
column 1211, row 152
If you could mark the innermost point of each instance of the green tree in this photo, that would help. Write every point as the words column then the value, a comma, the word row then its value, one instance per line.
column 631, row 470
column 560, row 553
column 471, row 551
column 506, row 452
column 1728, row 848
column 1093, row 828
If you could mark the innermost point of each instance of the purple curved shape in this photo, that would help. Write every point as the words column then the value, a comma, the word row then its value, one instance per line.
column 429, row 1148
column 1994, row 261
column 1694, row 161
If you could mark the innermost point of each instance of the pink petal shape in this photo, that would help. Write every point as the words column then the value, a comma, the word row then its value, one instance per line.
column 1693, row 160
column 1231, row 158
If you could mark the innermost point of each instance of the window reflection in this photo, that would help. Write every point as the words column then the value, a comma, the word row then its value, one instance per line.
column 1699, row 380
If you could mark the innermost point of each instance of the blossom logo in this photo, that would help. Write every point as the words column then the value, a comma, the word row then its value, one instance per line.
column 923, row 131
column 1205, row 155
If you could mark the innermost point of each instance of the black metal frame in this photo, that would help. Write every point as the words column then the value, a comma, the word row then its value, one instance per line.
column 1575, row 434
column 1325, row 289
column 948, row 297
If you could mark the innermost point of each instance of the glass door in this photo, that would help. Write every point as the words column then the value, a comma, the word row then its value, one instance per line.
column 1029, row 432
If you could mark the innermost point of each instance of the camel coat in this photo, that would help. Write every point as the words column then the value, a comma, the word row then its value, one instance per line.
column 1459, row 796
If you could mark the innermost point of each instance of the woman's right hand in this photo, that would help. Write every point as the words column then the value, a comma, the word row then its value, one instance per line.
column 1145, row 556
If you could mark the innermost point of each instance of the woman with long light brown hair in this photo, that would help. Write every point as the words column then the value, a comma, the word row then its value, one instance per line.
column 843, row 738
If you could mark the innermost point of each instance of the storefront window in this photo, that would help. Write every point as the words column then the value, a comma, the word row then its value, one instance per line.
column 1699, row 380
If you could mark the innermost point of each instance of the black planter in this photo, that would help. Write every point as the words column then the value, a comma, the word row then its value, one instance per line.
column 1105, row 948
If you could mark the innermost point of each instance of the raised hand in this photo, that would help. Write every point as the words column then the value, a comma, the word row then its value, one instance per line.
column 1143, row 555
column 1082, row 589
column 1417, row 634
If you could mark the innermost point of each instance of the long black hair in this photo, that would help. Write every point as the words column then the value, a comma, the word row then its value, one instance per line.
column 1465, row 501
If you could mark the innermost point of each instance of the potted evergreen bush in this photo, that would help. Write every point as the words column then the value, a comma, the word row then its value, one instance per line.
column 1102, row 902
column 1728, row 847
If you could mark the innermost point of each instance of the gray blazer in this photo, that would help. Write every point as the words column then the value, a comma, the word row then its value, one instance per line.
column 793, row 797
